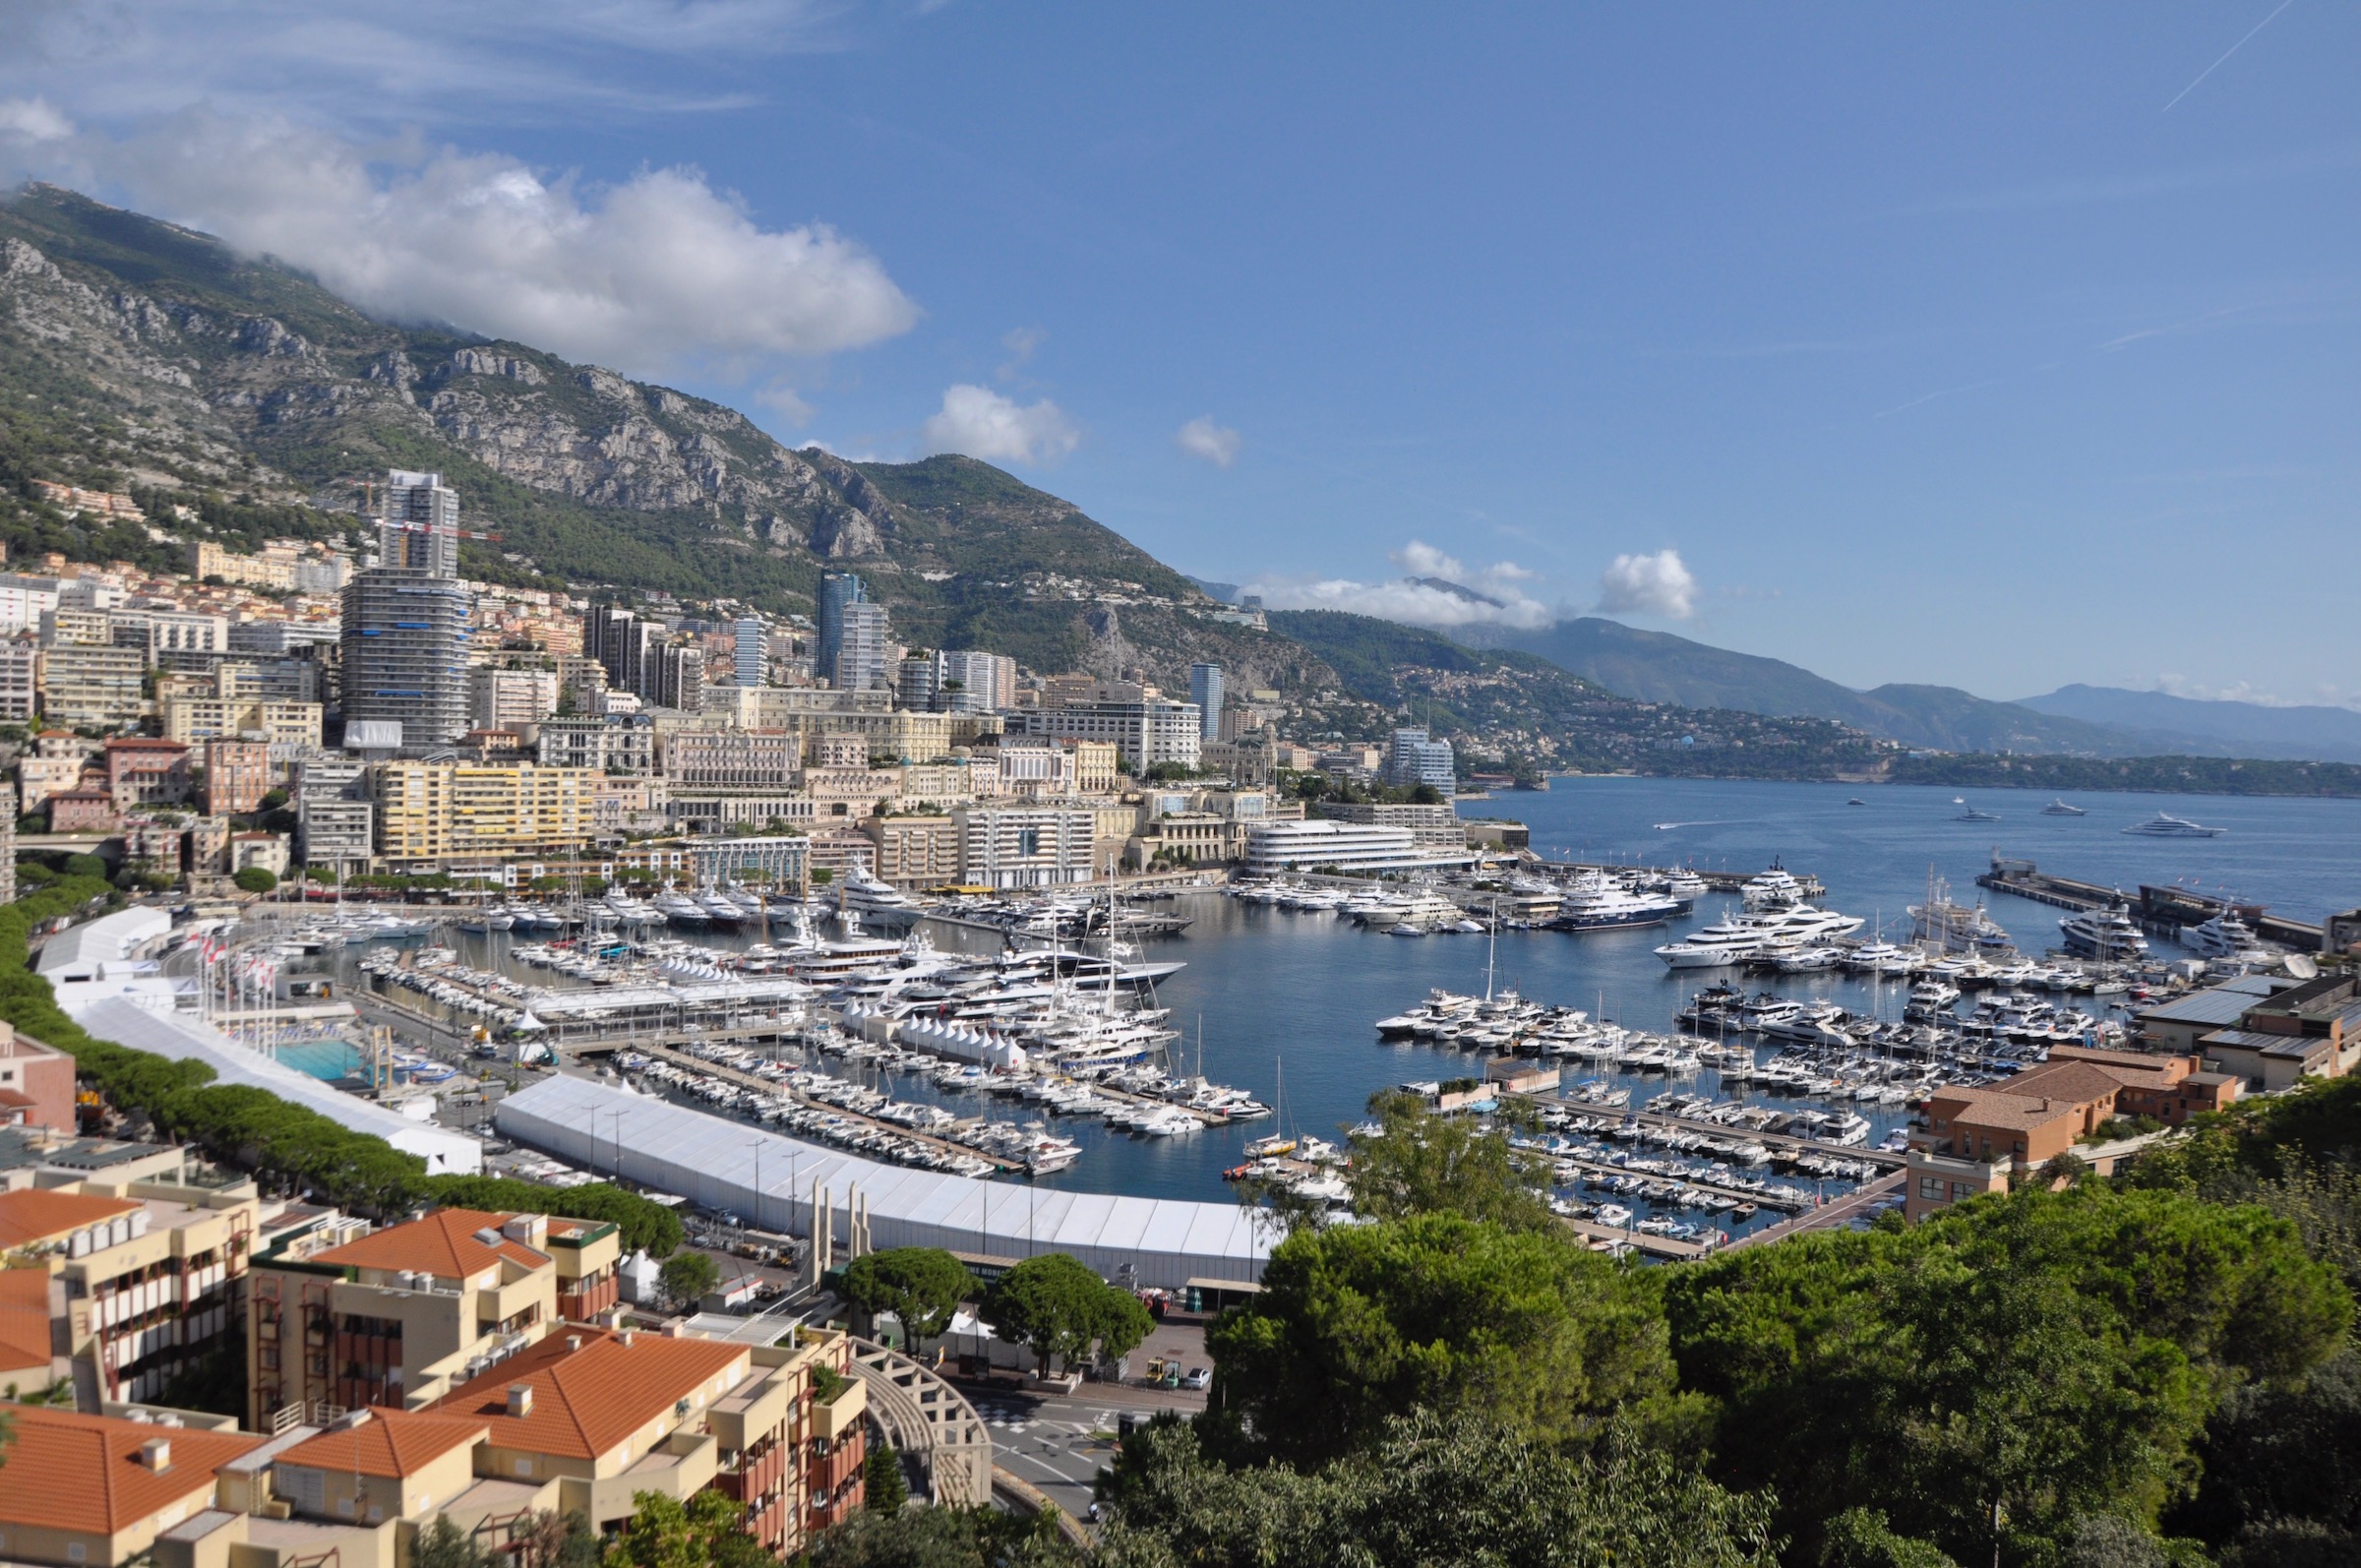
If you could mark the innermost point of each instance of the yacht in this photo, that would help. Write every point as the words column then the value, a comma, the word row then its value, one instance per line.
column 882, row 906
column 679, row 909
column 1856, row 801
column 719, row 908
column 1951, row 927
column 2061, row 808
column 1599, row 902
column 1766, row 934
column 1771, row 890
column 2225, row 936
column 1686, row 886
column 2106, row 932
column 2166, row 825
column 1969, row 813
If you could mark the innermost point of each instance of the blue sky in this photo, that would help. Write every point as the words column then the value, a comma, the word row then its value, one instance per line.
column 1940, row 344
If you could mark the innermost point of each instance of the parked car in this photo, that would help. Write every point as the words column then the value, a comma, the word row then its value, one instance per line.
column 1200, row 1378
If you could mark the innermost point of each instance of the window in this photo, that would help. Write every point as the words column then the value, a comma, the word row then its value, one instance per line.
column 1961, row 1189
column 1931, row 1188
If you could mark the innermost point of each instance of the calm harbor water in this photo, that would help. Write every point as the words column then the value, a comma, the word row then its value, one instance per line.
column 1284, row 1002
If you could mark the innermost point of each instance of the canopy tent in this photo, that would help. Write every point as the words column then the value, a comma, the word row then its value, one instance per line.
column 777, row 1181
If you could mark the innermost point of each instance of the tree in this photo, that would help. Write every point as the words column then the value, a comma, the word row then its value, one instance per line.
column 1860, row 1538
column 688, row 1277
column 1420, row 1163
column 85, row 866
column 921, row 1286
column 882, row 1484
column 705, row 1533
column 442, row 1545
column 1429, row 1491
column 1059, row 1308
column 255, row 879
column 1360, row 1323
column 944, row 1538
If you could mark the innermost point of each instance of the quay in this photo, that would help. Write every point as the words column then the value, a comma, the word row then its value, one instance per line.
column 1718, row 882
column 1659, row 1246
column 1604, row 1168
column 2159, row 911
column 1829, row 1215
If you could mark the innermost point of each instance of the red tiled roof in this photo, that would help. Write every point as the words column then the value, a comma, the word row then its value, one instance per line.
column 83, row 1473
column 587, row 1401
column 390, row 1442
column 24, row 1321
column 38, row 1214
column 443, row 1244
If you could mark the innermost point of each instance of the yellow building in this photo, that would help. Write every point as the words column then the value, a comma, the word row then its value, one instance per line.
column 429, row 811
column 274, row 567
column 191, row 719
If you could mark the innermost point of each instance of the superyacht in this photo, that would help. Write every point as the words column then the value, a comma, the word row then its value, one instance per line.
column 2166, row 825
column 2105, row 933
column 1768, row 933
column 1596, row 901
column 2060, row 808
column 2225, row 936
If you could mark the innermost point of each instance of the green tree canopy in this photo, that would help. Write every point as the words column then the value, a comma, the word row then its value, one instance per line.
column 1420, row 1163
column 1430, row 1492
column 689, row 1276
column 704, row 1532
column 921, row 1286
column 1361, row 1322
column 1059, row 1308
column 944, row 1538
column 256, row 879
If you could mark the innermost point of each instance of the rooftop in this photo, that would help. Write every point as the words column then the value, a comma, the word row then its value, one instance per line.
column 25, row 1342
column 41, row 1214
column 586, row 1402
column 2296, row 1047
column 84, row 1473
column 446, row 1245
column 384, row 1442
column 2216, row 1005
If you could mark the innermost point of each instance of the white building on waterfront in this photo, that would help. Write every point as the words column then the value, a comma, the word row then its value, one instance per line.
column 1322, row 845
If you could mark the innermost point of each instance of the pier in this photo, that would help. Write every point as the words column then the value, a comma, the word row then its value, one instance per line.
column 2159, row 911
column 1776, row 1142
column 1659, row 1246
column 1717, row 881
column 1844, row 1211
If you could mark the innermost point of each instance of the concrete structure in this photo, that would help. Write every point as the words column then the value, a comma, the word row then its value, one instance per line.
column 1145, row 732
column 1976, row 1139
column 498, row 697
column 54, row 763
column 864, row 630
column 915, row 851
column 274, row 569
column 749, row 653
column 237, row 775
column 838, row 590
column 84, row 685
column 1026, row 846
column 418, row 525
column 733, row 760
column 1414, row 757
column 194, row 719
column 602, row 743
column 20, row 677
column 405, row 644
column 24, row 600
column 96, row 1492
column 1434, row 829
column 2308, row 1030
column 780, row 859
column 432, row 813
column 408, row 1313
column 1343, row 846
column 143, row 771
column 1205, row 690
column 334, row 820
column 37, row 1083
column 967, row 681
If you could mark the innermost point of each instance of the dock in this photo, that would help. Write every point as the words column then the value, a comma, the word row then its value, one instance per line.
column 1776, row 1142
column 1659, row 1246
column 2159, row 911
column 1717, row 881
column 1829, row 1215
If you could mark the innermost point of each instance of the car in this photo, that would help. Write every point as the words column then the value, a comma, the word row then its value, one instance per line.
column 1200, row 1378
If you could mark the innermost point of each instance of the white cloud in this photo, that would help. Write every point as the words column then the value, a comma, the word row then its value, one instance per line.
column 1422, row 560
column 981, row 423
column 644, row 274
column 1400, row 600
column 1020, row 341
column 1659, row 584
column 785, row 402
column 1202, row 438
column 32, row 120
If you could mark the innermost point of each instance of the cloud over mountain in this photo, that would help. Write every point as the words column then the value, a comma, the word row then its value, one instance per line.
column 1202, row 438
column 1659, row 584
column 977, row 422
column 1438, row 592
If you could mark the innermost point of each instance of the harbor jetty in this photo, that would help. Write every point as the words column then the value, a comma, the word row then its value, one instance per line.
column 2159, row 911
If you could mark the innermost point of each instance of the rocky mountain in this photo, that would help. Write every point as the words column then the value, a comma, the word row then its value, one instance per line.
column 136, row 351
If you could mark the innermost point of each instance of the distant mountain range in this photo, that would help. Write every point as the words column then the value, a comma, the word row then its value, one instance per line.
column 2077, row 720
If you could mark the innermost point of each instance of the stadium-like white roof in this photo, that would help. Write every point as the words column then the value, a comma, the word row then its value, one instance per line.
column 773, row 1182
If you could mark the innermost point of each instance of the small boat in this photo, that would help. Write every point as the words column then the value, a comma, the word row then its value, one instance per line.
column 1969, row 813
column 2166, row 825
column 2061, row 808
column 1856, row 801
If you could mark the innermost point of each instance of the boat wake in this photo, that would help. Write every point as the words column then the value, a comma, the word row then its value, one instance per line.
column 1725, row 822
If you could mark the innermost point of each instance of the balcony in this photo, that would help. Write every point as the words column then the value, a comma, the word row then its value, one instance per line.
column 680, row 1466
column 831, row 1418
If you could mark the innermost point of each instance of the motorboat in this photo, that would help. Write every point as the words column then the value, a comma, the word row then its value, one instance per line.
column 882, row 906
column 2225, row 936
column 2105, row 933
column 1746, row 937
column 2166, row 825
column 2061, row 808
column 681, row 910
column 1599, row 902
column 1856, row 801
column 1969, row 813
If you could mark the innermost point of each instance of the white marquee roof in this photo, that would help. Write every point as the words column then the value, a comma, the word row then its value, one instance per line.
column 716, row 1163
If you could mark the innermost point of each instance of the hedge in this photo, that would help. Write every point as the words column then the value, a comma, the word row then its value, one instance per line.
column 257, row 1130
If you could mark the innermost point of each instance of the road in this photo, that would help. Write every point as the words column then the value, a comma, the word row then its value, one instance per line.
column 1060, row 1444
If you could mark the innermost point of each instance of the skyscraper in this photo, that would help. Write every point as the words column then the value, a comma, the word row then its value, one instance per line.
column 406, row 620
column 837, row 590
column 619, row 640
column 970, row 681
column 752, row 655
column 862, row 631
column 677, row 677
column 1205, row 690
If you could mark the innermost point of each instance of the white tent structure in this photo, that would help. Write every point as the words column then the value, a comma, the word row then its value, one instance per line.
column 182, row 1038
column 777, row 1183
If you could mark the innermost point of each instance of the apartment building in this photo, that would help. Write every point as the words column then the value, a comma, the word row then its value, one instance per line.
column 20, row 677
column 144, row 771
column 274, row 569
column 86, row 685
column 96, row 1491
column 915, row 851
column 37, row 1083
column 1145, row 733
column 237, row 775
column 54, row 764
column 435, row 812
column 840, row 781
column 702, row 760
column 602, row 743
column 335, row 819
column 24, row 600
column 345, row 1317
column 499, row 699
column 1025, row 846
column 146, row 1271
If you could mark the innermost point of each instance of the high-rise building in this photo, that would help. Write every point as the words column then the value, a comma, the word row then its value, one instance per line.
column 497, row 698
column 620, row 642
column 837, row 589
column 1205, row 690
column 677, row 677
column 1413, row 759
column 916, row 683
column 418, row 524
column 972, row 682
column 405, row 622
column 752, row 652
column 862, row 633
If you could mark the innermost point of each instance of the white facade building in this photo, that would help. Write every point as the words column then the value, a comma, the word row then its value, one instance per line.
column 1322, row 845
column 1145, row 733
column 1025, row 846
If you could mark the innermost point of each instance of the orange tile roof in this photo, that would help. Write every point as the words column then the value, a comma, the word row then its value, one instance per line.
column 39, row 1214
column 443, row 1244
column 586, row 1402
column 390, row 1442
column 24, row 1320
column 83, row 1473
column 2067, row 1080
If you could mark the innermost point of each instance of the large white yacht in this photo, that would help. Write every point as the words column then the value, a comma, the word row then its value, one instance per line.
column 882, row 905
column 2225, row 936
column 1596, row 901
column 2166, row 825
column 2105, row 933
column 1763, row 933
